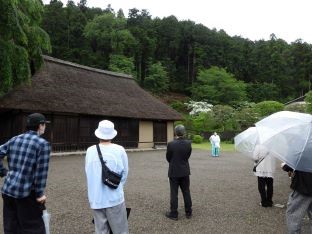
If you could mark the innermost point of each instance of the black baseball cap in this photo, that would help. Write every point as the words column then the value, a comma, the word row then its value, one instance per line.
column 35, row 119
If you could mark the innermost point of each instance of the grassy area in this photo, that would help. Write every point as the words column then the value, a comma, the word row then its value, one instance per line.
column 206, row 146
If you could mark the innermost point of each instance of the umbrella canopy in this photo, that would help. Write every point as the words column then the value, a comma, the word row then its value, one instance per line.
column 246, row 141
column 288, row 136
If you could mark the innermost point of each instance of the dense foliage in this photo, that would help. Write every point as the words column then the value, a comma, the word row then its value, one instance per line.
column 308, row 100
column 22, row 41
column 230, row 82
column 218, row 87
column 252, row 70
column 226, row 120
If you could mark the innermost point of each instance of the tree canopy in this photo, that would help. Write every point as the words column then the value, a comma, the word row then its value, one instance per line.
column 22, row 41
column 218, row 87
column 107, row 39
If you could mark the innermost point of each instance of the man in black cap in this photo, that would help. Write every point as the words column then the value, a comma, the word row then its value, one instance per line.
column 178, row 154
column 25, row 180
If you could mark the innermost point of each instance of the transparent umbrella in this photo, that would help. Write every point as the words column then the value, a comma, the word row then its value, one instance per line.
column 46, row 219
column 288, row 136
column 246, row 141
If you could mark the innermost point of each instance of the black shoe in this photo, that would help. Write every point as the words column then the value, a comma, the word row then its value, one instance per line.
column 269, row 203
column 188, row 215
column 263, row 204
column 170, row 216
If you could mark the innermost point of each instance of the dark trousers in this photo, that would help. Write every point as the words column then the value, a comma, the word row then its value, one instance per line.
column 22, row 216
column 265, row 187
column 184, row 184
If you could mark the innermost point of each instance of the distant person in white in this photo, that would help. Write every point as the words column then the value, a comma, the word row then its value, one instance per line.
column 215, row 144
column 108, row 204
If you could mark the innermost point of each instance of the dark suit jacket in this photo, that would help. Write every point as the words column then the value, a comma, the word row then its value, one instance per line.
column 178, row 153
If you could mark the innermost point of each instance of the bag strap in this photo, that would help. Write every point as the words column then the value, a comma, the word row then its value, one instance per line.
column 257, row 162
column 100, row 155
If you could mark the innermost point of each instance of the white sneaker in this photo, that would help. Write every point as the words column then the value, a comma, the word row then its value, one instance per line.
column 279, row 205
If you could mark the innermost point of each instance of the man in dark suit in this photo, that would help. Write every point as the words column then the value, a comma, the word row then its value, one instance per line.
column 178, row 154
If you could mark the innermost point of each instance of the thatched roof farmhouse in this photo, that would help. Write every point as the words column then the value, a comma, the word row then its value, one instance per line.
column 75, row 98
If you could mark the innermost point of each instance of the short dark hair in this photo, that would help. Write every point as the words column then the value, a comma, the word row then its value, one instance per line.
column 179, row 130
column 33, row 128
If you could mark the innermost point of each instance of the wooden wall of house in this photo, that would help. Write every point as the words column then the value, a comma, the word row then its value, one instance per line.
column 160, row 132
column 70, row 132
column 11, row 124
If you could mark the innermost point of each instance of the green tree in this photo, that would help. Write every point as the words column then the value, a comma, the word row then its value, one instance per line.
column 301, row 55
column 308, row 100
column 157, row 80
column 272, row 69
column 141, row 27
column 204, row 122
column 22, row 42
column 179, row 106
column 54, row 23
column 122, row 64
column 120, row 14
column 246, row 117
column 98, row 32
column 266, row 108
column 218, row 87
column 225, row 118
column 108, row 35
column 296, row 107
column 167, row 48
column 65, row 26
column 82, row 5
column 258, row 92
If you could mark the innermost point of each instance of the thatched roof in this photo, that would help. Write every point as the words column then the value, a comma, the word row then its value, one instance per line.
column 61, row 86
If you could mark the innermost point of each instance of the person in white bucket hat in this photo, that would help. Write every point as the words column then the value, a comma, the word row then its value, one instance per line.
column 105, row 130
column 108, row 205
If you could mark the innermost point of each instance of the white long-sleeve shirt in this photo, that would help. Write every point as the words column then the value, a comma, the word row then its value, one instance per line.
column 266, row 167
column 215, row 140
column 100, row 195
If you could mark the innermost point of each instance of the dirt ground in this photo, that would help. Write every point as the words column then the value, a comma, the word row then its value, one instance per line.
column 224, row 194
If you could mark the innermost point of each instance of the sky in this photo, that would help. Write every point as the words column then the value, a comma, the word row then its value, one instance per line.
column 253, row 19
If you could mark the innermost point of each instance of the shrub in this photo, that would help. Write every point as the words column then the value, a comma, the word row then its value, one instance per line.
column 198, row 107
column 197, row 139
column 266, row 108
column 179, row 106
column 308, row 100
column 297, row 107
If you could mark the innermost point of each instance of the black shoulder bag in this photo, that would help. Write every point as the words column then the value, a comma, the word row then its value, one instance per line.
column 109, row 178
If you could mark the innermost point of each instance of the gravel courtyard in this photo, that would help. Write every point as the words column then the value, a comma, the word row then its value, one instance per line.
column 224, row 194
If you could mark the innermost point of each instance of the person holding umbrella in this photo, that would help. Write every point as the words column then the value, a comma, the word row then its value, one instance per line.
column 300, row 199
column 288, row 135
column 264, row 170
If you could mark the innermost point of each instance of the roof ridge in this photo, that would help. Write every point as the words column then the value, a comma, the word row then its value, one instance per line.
column 56, row 60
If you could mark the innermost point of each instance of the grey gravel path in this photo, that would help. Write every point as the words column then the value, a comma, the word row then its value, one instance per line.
column 224, row 193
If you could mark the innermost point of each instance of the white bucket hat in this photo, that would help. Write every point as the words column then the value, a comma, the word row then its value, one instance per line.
column 105, row 130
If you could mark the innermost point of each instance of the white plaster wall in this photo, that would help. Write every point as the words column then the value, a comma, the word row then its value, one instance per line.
column 146, row 134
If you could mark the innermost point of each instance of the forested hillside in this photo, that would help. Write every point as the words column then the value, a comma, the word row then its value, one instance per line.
column 179, row 56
